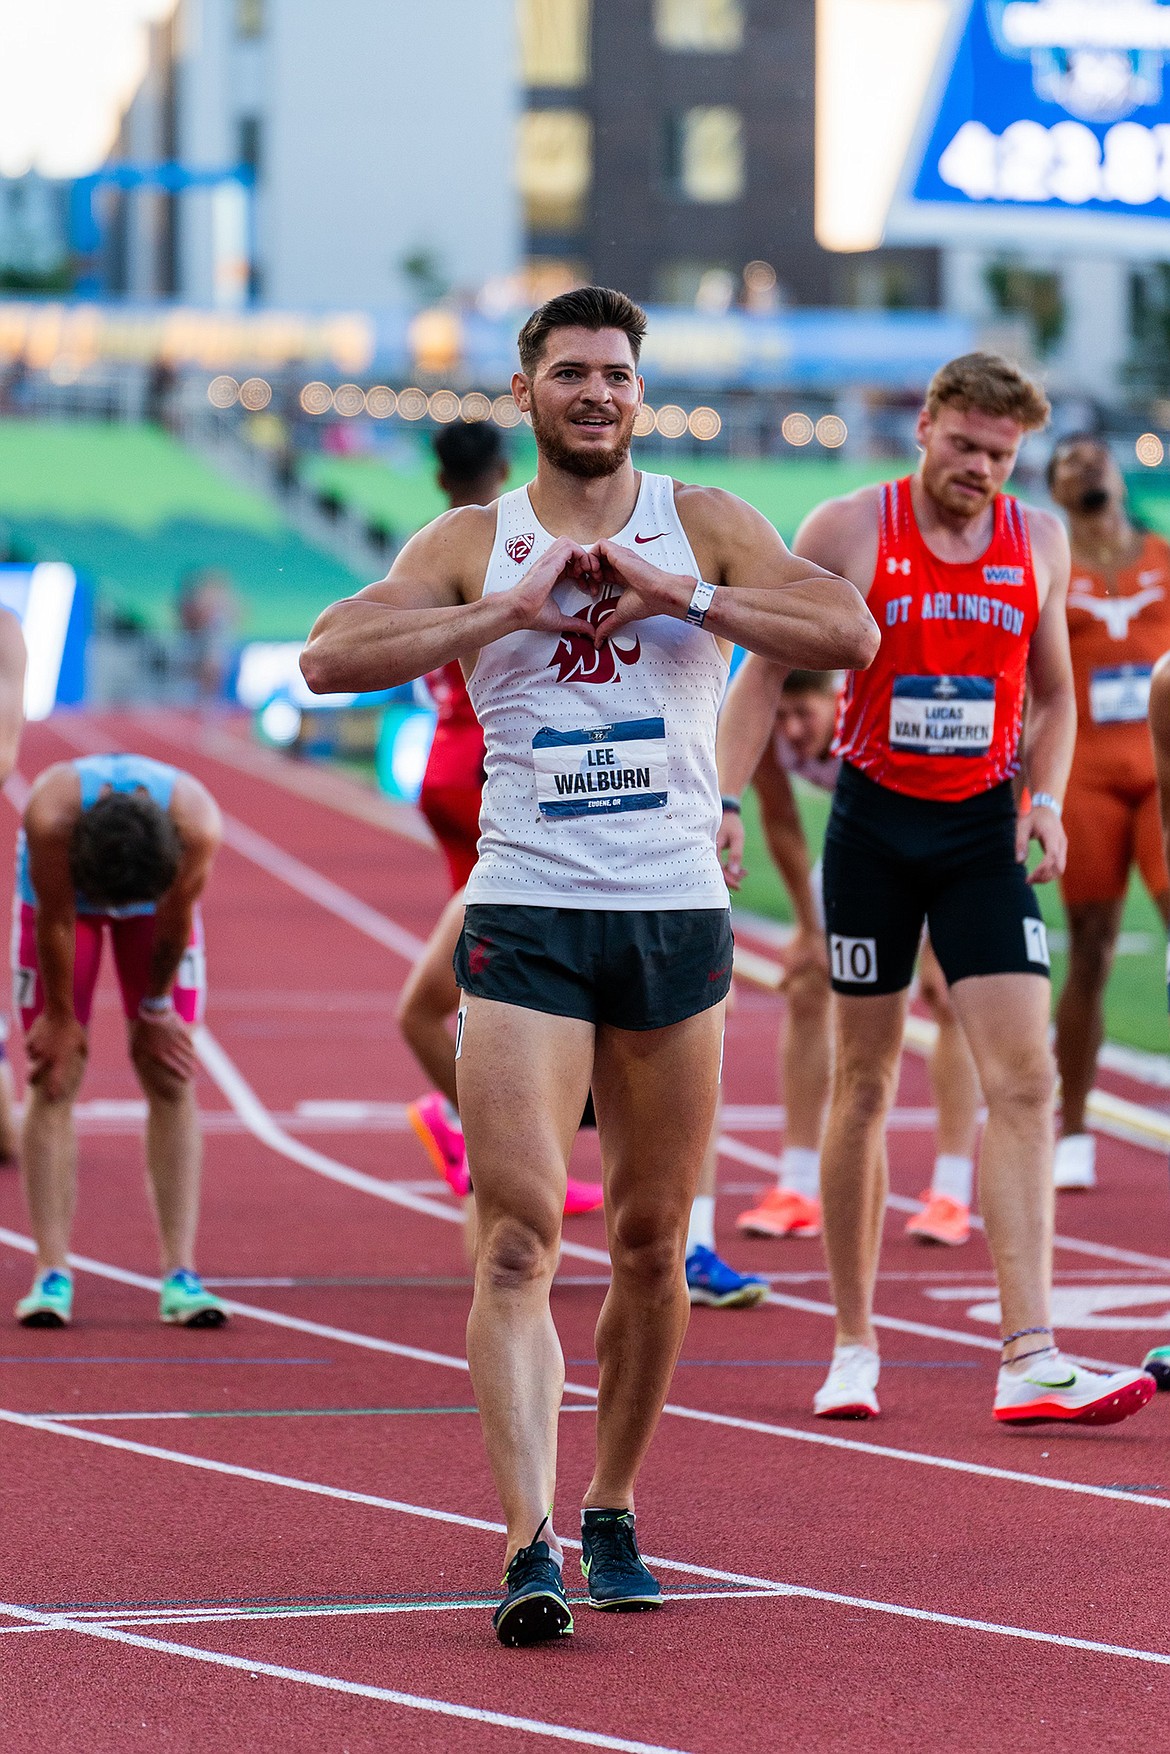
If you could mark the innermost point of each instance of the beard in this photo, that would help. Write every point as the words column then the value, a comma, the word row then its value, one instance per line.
column 589, row 465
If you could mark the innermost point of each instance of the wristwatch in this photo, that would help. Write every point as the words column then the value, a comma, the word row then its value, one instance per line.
column 1045, row 801
column 701, row 599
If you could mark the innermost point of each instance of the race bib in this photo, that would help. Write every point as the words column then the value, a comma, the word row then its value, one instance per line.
column 942, row 715
column 1121, row 696
column 608, row 767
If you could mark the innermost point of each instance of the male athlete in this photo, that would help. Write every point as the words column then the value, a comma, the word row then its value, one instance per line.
column 122, row 843
column 12, row 668
column 592, row 611
column 802, row 708
column 1119, row 626
column 472, row 471
column 968, row 588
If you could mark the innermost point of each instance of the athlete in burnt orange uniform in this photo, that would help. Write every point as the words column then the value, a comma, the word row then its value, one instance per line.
column 1119, row 626
column 968, row 588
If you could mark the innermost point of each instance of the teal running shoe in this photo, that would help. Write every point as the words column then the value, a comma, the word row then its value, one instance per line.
column 612, row 1566
column 50, row 1302
column 187, row 1303
column 713, row 1282
column 1157, row 1364
column 535, row 1607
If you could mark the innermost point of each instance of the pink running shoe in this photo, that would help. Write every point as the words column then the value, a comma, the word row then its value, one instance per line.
column 442, row 1142
column 582, row 1197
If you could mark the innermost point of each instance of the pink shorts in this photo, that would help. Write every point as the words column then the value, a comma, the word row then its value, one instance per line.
column 133, row 942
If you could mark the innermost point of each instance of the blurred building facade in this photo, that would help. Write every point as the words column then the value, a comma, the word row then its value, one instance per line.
column 665, row 145
column 379, row 134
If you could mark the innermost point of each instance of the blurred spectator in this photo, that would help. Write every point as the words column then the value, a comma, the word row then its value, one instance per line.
column 208, row 616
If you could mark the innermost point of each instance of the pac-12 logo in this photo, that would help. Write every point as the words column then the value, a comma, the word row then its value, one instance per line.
column 1003, row 575
column 577, row 659
column 518, row 548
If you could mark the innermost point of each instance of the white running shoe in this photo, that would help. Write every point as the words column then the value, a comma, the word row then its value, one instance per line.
column 1075, row 1163
column 850, row 1389
column 1053, row 1387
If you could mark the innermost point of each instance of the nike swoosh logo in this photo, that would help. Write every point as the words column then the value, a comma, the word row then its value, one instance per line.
column 657, row 538
column 1066, row 1384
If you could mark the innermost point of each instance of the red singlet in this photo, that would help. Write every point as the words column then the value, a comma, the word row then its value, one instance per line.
column 453, row 783
column 938, row 712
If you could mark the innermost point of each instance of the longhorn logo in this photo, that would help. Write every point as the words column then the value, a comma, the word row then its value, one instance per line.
column 1115, row 612
column 576, row 659
column 518, row 548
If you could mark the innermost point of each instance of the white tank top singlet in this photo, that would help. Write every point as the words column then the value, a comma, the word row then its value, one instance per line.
column 601, row 787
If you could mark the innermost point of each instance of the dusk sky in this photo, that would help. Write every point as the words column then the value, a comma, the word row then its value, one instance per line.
column 66, row 70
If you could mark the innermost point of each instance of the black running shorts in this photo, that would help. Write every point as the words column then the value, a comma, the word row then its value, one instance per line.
column 893, row 863
column 630, row 970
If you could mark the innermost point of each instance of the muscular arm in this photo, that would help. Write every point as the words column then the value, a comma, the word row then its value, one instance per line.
column 428, row 609
column 1051, row 725
column 12, row 667
column 772, row 602
column 197, row 818
column 53, row 809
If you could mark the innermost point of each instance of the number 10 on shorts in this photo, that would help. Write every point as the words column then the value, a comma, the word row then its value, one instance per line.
column 853, row 959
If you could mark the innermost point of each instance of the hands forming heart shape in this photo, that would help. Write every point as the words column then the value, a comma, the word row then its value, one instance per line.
column 607, row 570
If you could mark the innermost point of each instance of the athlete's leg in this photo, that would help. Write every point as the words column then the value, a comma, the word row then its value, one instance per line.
column 1005, row 1017
column 868, row 1049
column 523, row 1076
column 48, row 1164
column 1080, row 1014
column 806, row 1055
column 953, row 1078
column 656, row 1092
column 430, row 998
column 1149, row 852
column 174, row 1144
column 8, row 1127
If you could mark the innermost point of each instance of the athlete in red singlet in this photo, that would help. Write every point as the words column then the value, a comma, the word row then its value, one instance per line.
column 968, row 588
column 453, row 783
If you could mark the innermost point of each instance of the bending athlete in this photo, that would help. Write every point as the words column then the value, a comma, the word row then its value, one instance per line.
column 594, row 610
column 802, row 705
column 472, row 471
column 968, row 587
column 12, row 668
column 1119, row 626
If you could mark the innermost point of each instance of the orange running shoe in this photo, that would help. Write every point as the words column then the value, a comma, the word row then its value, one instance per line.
column 941, row 1220
column 782, row 1212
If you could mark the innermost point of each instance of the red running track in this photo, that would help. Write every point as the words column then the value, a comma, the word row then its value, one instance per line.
column 283, row 1535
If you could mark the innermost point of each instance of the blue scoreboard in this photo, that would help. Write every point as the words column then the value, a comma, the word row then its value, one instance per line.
column 1048, row 121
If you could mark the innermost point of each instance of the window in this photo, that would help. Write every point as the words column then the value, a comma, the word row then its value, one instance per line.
column 704, row 154
column 554, row 41
column 554, row 168
column 249, row 18
column 699, row 26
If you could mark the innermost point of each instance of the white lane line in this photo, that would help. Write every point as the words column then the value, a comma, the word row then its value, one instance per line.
column 770, row 1586
column 334, row 1684
column 451, row 1361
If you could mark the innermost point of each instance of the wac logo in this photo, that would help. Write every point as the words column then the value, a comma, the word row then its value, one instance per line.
column 1003, row 575
column 518, row 548
column 576, row 659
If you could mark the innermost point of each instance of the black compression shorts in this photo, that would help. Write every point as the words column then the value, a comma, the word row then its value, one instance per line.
column 627, row 969
column 893, row 863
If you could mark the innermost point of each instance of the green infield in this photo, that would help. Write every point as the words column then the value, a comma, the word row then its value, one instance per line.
column 1135, row 1003
column 136, row 511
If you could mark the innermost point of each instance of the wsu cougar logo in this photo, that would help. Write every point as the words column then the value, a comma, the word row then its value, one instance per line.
column 518, row 548
column 577, row 660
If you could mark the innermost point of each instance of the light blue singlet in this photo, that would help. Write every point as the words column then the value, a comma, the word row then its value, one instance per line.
column 121, row 773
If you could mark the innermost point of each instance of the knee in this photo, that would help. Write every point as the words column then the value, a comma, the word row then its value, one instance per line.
column 648, row 1249
column 807, row 997
column 1027, row 1082
column 160, row 1083
column 1091, row 945
column 515, row 1253
column 866, row 1088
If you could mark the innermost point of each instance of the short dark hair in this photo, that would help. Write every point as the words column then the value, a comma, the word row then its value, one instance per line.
column 588, row 307
column 992, row 385
column 468, row 450
column 1096, row 439
column 811, row 682
column 124, row 849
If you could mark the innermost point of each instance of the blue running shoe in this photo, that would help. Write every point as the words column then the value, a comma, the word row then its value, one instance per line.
column 713, row 1282
column 1157, row 1364
column 611, row 1564
column 535, row 1607
column 185, row 1302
